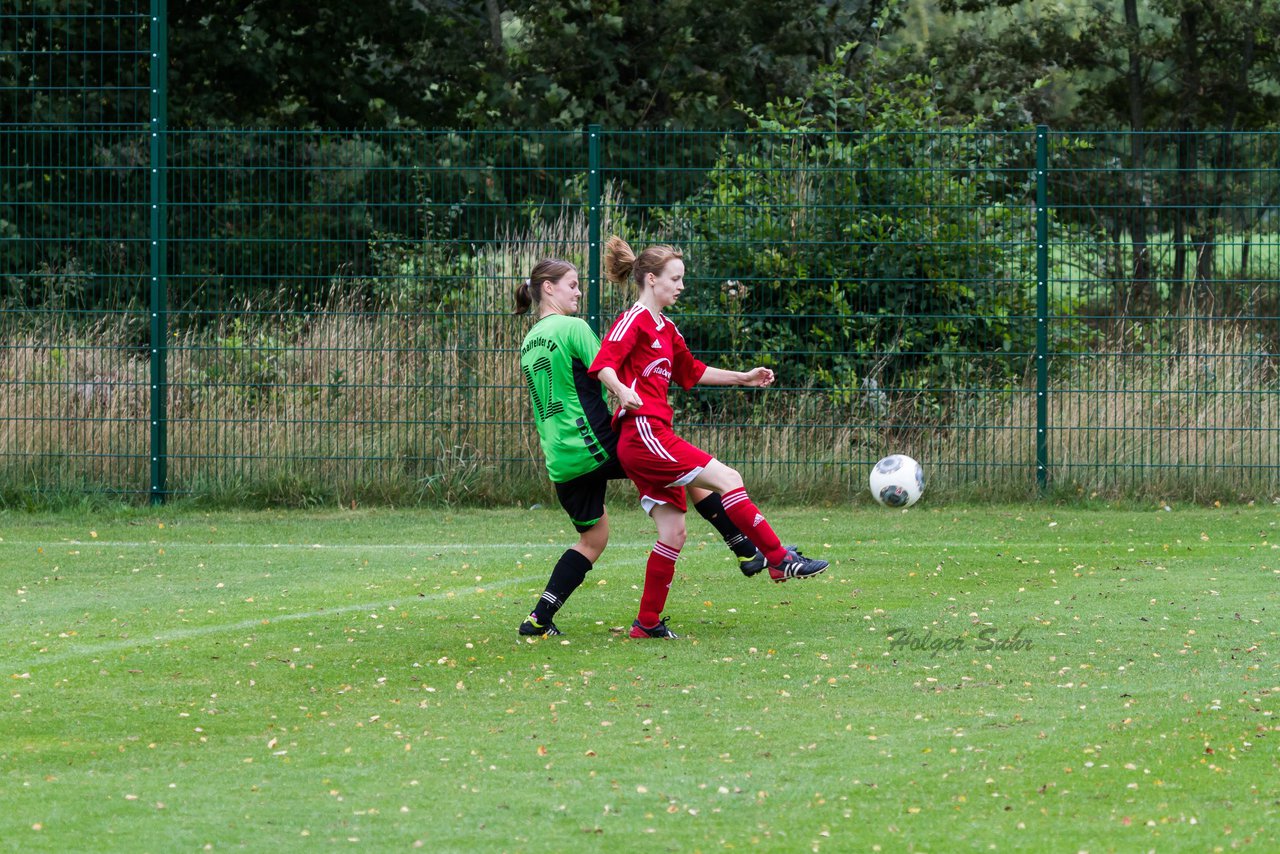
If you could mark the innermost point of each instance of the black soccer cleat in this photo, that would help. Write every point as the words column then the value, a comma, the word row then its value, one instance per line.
column 531, row 628
column 658, row 631
column 753, row 565
column 796, row 565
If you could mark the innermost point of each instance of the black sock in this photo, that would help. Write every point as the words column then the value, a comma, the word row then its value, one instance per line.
column 568, row 573
column 712, row 510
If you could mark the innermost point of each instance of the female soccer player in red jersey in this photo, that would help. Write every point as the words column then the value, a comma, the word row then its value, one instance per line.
column 639, row 358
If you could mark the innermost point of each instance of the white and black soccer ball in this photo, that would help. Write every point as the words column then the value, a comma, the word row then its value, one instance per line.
column 897, row 481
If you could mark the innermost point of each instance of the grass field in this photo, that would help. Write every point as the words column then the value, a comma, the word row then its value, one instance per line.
column 962, row 679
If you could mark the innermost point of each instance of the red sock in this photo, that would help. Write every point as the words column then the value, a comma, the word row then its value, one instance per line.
column 744, row 513
column 658, row 573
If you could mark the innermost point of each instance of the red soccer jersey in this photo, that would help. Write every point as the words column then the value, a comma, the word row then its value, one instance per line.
column 648, row 353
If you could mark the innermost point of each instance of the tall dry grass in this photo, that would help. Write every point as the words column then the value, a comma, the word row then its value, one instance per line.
column 73, row 407
column 1199, row 418
column 352, row 405
column 344, row 404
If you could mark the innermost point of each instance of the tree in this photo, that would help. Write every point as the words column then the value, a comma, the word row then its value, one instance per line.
column 1113, row 63
column 681, row 64
column 1199, row 69
column 498, row 64
column 833, row 232
column 322, row 64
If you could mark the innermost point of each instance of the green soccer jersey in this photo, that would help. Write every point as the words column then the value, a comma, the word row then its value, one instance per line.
column 569, row 407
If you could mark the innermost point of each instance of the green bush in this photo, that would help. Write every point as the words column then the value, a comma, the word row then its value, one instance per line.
column 873, row 259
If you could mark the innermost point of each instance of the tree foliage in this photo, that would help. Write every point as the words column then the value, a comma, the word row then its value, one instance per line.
column 1181, row 77
column 833, row 232
column 258, row 63
column 509, row 65
column 1112, row 64
column 679, row 64
column 498, row 63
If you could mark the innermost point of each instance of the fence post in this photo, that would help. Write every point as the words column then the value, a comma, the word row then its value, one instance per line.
column 159, row 261
column 593, row 228
column 1042, row 307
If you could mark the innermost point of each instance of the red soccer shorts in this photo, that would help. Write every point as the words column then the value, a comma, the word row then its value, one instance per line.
column 658, row 461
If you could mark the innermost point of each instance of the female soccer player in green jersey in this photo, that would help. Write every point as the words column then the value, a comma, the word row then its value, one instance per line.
column 580, row 448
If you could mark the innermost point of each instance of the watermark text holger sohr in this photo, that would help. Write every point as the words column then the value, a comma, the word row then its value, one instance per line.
column 989, row 639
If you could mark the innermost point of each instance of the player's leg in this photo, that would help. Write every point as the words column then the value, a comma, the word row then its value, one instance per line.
column 740, row 509
column 592, row 542
column 709, row 506
column 783, row 563
column 659, row 572
column 583, row 500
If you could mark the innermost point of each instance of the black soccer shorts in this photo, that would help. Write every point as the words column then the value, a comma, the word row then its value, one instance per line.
column 583, row 497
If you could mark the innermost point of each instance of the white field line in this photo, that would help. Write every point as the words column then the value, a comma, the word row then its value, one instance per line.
column 864, row 545
column 416, row 547
column 95, row 650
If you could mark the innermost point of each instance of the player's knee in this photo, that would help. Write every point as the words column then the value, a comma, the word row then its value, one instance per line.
column 732, row 479
column 593, row 541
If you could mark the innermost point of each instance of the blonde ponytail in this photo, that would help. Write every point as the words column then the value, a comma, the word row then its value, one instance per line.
column 618, row 260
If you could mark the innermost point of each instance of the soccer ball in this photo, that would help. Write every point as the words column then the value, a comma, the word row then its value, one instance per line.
column 897, row 481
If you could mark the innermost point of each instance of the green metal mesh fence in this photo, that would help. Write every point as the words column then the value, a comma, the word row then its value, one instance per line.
column 75, row 105
column 338, row 303
column 327, row 313
column 1164, row 274
column 887, row 279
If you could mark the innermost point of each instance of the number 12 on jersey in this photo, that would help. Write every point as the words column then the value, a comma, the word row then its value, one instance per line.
column 542, row 389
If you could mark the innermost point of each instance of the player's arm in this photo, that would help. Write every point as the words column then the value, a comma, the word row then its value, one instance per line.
column 691, row 371
column 604, row 367
column 757, row 377
column 623, row 393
